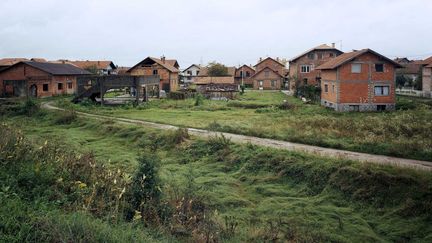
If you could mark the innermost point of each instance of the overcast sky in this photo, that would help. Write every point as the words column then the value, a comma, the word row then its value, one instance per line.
column 194, row 31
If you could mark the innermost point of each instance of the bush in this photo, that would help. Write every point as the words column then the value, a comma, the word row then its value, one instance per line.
column 66, row 117
column 199, row 100
column 176, row 95
column 285, row 106
column 145, row 191
column 30, row 107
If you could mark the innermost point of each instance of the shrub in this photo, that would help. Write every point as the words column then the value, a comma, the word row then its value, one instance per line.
column 145, row 191
column 199, row 100
column 285, row 106
column 246, row 105
column 176, row 95
column 30, row 107
column 66, row 117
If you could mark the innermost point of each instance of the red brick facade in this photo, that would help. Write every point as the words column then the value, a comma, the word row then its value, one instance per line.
column 247, row 72
column 302, row 68
column 269, row 75
column 360, row 84
column 34, row 81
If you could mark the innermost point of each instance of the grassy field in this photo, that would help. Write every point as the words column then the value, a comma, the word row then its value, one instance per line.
column 402, row 133
column 254, row 194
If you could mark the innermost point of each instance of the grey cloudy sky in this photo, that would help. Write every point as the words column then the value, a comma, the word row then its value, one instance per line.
column 228, row 31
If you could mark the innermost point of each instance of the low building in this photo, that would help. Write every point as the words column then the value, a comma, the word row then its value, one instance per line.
column 205, row 78
column 302, row 67
column 39, row 79
column 189, row 74
column 166, row 69
column 243, row 75
column 361, row 80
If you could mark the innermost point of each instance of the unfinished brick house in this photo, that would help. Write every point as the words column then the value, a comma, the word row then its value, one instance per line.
column 243, row 75
column 302, row 67
column 166, row 69
column 39, row 79
column 361, row 80
column 269, row 74
column 426, row 72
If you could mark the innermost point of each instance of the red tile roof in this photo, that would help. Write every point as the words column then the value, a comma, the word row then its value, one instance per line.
column 267, row 68
column 89, row 64
column 11, row 61
column 271, row 59
column 320, row 47
column 169, row 64
column 346, row 57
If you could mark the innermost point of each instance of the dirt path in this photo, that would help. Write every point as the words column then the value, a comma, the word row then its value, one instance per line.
column 326, row 152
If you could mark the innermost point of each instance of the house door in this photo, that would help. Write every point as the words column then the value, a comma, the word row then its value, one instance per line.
column 33, row 90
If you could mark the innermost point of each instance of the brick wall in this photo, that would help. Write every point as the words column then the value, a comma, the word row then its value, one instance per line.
column 166, row 76
column 295, row 67
column 267, row 80
column 359, row 88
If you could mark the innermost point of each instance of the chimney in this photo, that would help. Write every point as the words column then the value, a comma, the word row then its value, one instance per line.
column 333, row 45
column 98, row 62
column 277, row 59
column 260, row 59
column 163, row 59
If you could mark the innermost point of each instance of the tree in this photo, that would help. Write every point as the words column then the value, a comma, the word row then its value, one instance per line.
column 419, row 81
column 400, row 81
column 215, row 69
column 92, row 69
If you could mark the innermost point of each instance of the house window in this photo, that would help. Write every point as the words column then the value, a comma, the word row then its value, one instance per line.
column 305, row 81
column 197, row 72
column 188, row 72
column 311, row 56
column 326, row 88
column 381, row 107
column 260, row 83
column 331, row 55
column 69, row 85
column 305, row 68
column 155, row 72
column 382, row 90
column 247, row 74
column 354, row 108
column 273, row 83
column 333, row 88
column 356, row 68
column 59, row 86
column 266, row 73
column 45, row 87
column 379, row 68
column 320, row 56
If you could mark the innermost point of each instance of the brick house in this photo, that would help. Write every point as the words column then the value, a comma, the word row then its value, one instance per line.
column 426, row 72
column 167, row 69
column 411, row 69
column 269, row 74
column 302, row 67
column 243, row 74
column 101, row 67
column 189, row 74
column 39, row 79
column 361, row 80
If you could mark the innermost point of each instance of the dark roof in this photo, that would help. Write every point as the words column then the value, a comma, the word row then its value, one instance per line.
column 169, row 64
column 318, row 48
column 346, row 57
column 54, row 68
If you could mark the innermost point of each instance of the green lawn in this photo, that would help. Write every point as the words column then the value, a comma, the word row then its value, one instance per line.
column 269, row 193
column 403, row 133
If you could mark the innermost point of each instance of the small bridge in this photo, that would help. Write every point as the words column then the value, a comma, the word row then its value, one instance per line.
column 93, row 87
